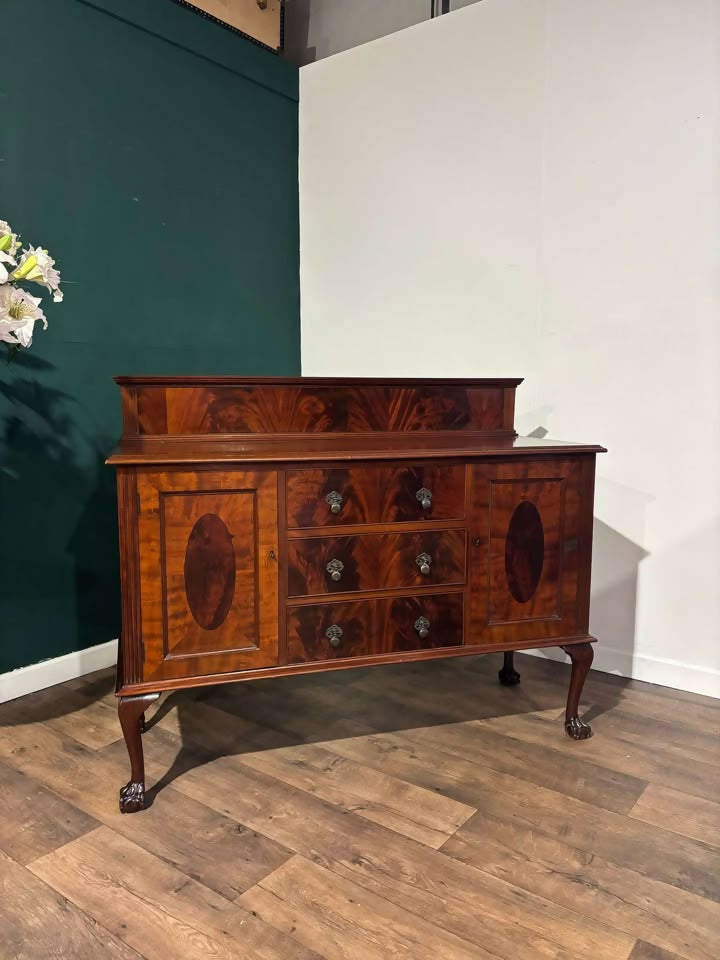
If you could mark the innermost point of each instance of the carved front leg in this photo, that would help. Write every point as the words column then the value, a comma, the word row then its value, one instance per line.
column 131, row 711
column 581, row 655
column 508, row 675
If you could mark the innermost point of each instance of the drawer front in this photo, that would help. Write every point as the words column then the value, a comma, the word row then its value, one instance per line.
column 366, row 628
column 322, row 565
column 337, row 497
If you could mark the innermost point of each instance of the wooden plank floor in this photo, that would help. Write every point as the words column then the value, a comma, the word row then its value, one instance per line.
column 413, row 811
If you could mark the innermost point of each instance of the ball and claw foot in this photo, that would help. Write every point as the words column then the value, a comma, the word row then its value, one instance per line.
column 581, row 655
column 132, row 797
column 131, row 711
column 578, row 729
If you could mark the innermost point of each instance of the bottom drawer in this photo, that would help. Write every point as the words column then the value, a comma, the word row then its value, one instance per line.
column 366, row 628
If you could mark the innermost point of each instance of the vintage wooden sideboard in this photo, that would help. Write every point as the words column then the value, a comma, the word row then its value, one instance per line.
column 276, row 526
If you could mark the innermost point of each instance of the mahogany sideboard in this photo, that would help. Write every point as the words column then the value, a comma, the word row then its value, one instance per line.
column 277, row 526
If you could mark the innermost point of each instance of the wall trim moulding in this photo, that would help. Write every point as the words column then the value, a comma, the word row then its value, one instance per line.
column 665, row 673
column 38, row 676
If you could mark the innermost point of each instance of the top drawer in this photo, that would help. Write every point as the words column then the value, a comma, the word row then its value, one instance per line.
column 375, row 494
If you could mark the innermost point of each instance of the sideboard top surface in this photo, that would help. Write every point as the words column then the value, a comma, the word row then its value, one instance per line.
column 138, row 451
column 195, row 381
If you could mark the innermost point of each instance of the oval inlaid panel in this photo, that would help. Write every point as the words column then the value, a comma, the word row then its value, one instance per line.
column 209, row 571
column 524, row 551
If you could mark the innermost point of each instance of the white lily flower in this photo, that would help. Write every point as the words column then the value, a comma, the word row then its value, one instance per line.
column 18, row 313
column 36, row 264
column 5, row 258
column 8, row 240
column 7, row 330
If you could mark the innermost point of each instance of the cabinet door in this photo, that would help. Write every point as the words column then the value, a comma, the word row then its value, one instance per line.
column 208, row 572
column 530, row 546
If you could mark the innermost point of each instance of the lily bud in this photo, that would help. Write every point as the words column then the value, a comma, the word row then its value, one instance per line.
column 26, row 268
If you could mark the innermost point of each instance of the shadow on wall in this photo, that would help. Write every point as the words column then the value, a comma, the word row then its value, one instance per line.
column 613, row 604
column 297, row 34
column 613, row 610
column 532, row 423
column 616, row 562
column 62, row 567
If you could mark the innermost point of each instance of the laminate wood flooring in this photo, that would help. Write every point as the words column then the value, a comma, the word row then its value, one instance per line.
column 406, row 812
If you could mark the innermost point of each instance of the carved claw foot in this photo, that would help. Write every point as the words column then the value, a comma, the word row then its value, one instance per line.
column 508, row 675
column 131, row 711
column 132, row 797
column 578, row 729
column 581, row 655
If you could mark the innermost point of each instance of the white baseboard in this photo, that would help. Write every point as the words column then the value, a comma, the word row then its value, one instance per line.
column 47, row 673
column 666, row 673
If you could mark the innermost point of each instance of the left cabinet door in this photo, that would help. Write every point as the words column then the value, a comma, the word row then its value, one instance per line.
column 208, row 571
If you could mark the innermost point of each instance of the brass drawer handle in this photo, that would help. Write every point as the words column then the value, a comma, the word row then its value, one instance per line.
column 334, row 499
column 334, row 634
column 335, row 569
column 422, row 625
column 423, row 560
column 424, row 497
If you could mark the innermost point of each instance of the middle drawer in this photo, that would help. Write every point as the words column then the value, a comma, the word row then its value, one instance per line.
column 375, row 561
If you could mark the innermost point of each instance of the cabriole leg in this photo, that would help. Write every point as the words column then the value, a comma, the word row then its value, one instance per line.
column 131, row 711
column 581, row 655
column 509, row 676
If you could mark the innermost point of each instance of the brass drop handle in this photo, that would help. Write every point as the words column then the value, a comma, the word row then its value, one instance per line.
column 424, row 496
column 334, row 634
column 335, row 569
column 334, row 499
column 422, row 625
column 423, row 560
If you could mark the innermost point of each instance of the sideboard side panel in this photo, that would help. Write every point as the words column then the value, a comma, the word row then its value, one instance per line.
column 587, row 504
column 129, row 411
column 130, row 654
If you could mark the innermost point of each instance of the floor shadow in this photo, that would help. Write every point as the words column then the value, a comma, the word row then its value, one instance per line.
column 238, row 718
column 316, row 708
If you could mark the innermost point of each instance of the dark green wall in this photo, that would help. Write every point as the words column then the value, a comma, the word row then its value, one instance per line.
column 155, row 155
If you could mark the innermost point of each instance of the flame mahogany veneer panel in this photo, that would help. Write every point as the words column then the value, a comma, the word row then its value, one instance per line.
column 208, row 546
column 387, row 494
column 375, row 562
column 288, row 408
column 528, row 557
column 373, row 627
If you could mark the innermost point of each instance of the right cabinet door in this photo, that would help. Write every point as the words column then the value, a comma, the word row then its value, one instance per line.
column 530, row 550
